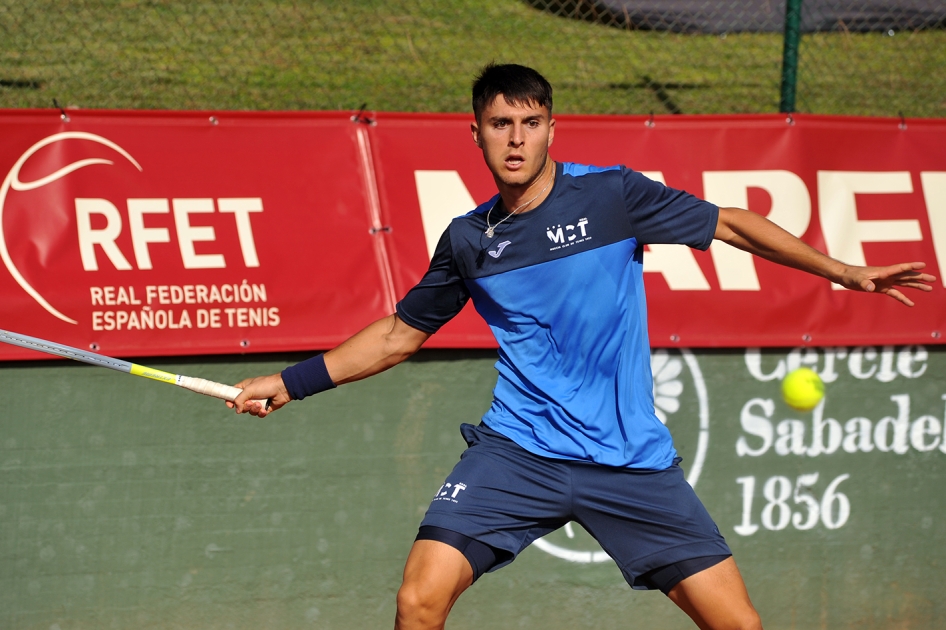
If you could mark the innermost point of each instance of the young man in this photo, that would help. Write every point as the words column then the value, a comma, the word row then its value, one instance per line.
column 571, row 434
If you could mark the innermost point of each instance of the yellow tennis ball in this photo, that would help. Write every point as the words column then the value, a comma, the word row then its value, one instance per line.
column 802, row 389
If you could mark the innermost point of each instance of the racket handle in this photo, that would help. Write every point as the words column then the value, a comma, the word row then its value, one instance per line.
column 217, row 390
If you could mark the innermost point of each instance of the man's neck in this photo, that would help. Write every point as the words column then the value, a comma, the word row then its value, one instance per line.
column 522, row 199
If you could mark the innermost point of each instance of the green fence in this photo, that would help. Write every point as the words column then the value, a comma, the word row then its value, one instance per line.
column 421, row 55
column 125, row 503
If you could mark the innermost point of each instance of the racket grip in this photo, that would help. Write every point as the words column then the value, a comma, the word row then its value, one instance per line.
column 217, row 390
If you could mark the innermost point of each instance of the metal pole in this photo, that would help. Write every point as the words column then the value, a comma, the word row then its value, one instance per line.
column 790, row 55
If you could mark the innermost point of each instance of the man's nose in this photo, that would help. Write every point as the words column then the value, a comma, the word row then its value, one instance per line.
column 516, row 136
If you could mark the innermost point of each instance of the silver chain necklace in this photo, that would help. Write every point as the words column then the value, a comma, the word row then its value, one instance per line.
column 491, row 229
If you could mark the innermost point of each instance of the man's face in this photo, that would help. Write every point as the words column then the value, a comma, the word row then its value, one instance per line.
column 515, row 140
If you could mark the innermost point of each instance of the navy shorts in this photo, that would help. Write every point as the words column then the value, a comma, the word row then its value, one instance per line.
column 503, row 496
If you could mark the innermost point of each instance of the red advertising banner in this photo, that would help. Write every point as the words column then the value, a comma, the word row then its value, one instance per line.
column 158, row 233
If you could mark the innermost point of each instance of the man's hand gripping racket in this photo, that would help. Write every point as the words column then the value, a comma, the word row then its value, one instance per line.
column 254, row 390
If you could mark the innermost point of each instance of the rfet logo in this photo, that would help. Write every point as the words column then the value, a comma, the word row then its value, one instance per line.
column 99, row 223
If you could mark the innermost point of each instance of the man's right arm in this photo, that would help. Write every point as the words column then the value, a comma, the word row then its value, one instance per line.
column 436, row 299
column 378, row 347
column 381, row 345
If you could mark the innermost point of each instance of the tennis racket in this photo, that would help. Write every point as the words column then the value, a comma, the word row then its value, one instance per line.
column 199, row 385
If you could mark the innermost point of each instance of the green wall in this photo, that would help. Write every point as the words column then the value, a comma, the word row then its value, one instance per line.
column 125, row 503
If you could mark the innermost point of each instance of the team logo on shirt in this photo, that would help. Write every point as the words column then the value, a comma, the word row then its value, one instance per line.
column 568, row 234
column 681, row 403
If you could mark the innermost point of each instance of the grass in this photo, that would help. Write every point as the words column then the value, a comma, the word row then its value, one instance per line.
column 420, row 55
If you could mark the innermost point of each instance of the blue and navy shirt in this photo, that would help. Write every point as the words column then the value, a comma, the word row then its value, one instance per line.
column 562, row 289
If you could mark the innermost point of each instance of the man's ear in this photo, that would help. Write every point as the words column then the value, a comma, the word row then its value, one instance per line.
column 475, row 130
column 551, row 131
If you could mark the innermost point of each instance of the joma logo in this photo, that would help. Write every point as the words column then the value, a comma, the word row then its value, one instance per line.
column 496, row 253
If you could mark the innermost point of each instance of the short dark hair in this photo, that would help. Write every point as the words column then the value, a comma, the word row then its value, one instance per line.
column 519, row 85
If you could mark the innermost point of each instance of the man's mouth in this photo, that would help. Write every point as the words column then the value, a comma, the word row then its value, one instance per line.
column 514, row 161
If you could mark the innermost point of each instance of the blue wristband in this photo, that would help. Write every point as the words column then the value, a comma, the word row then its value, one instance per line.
column 307, row 378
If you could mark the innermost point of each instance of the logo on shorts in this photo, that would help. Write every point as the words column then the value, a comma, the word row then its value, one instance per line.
column 449, row 492
column 681, row 403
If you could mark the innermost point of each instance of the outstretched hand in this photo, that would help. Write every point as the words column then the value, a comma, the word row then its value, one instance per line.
column 260, row 388
column 886, row 280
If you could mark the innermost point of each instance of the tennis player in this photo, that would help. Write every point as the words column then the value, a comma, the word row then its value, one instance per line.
column 571, row 434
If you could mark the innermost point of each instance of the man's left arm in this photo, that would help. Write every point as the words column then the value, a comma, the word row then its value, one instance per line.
column 757, row 235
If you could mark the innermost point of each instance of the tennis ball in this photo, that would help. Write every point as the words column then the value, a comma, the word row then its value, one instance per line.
column 802, row 389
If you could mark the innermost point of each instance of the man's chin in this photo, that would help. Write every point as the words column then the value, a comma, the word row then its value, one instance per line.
column 517, row 178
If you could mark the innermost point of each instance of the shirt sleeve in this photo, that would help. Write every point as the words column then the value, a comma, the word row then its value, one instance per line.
column 660, row 214
column 440, row 294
